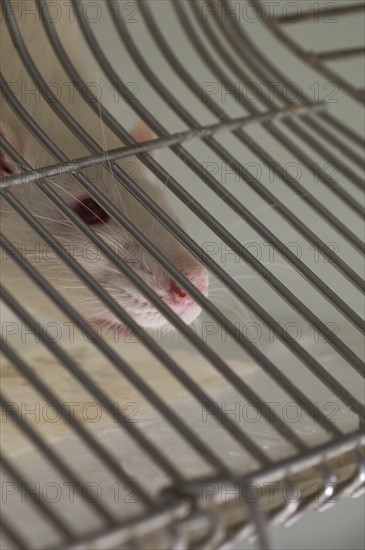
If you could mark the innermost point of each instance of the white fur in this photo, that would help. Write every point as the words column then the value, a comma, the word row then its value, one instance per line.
column 103, row 270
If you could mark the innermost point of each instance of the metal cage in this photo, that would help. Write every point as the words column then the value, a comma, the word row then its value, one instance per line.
column 208, row 476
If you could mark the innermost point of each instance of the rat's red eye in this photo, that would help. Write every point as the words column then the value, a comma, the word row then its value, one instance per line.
column 90, row 211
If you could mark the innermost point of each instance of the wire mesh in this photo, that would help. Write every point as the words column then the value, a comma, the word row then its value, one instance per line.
column 193, row 470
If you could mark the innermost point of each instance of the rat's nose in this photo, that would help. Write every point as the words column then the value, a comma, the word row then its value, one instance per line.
column 178, row 294
column 176, row 291
column 179, row 300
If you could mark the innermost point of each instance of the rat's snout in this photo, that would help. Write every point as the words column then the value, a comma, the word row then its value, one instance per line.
column 179, row 294
column 181, row 302
column 178, row 297
column 176, row 291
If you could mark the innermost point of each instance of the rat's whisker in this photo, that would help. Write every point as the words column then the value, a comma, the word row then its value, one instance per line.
column 226, row 306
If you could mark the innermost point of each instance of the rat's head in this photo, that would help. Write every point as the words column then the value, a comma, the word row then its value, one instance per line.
column 102, row 268
column 130, row 253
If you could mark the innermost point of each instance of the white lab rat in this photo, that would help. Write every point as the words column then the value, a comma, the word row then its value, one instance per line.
column 27, row 241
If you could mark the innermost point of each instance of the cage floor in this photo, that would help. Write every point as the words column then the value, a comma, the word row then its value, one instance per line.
column 120, row 498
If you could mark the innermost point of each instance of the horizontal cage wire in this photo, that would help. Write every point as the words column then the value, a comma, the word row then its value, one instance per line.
column 144, row 147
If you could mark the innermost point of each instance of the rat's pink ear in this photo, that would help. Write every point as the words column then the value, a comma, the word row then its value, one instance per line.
column 7, row 166
column 142, row 132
